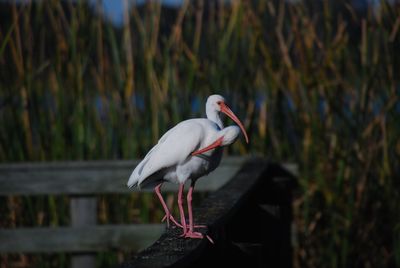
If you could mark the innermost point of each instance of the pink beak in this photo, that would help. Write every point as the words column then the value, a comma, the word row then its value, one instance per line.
column 226, row 110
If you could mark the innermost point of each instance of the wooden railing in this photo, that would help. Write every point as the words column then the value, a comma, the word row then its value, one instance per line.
column 248, row 215
column 249, row 220
column 82, row 181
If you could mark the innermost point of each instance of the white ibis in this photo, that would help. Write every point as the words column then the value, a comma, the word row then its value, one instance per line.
column 190, row 150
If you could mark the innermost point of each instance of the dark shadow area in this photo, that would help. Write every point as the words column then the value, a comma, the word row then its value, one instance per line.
column 249, row 220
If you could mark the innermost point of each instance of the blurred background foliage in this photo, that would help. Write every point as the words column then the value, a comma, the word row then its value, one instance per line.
column 316, row 83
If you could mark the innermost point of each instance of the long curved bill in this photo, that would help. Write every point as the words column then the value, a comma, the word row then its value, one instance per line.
column 226, row 110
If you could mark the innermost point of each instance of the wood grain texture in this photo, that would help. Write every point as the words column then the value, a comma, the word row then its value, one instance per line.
column 92, row 177
column 83, row 211
column 79, row 239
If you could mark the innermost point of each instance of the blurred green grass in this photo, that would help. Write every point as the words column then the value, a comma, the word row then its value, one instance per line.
column 316, row 83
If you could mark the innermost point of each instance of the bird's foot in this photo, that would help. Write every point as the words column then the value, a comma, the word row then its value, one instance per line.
column 197, row 235
column 200, row 226
column 196, row 226
column 169, row 217
column 191, row 234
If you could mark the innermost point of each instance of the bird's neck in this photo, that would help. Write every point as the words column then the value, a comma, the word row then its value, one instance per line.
column 214, row 116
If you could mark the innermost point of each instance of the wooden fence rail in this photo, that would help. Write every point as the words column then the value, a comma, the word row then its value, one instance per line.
column 79, row 239
column 92, row 177
column 227, row 212
column 83, row 181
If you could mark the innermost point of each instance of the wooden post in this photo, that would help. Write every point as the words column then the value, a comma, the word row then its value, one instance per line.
column 83, row 211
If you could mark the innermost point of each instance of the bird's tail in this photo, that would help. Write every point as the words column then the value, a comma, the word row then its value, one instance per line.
column 135, row 178
column 132, row 182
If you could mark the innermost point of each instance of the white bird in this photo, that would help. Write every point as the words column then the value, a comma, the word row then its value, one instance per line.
column 189, row 150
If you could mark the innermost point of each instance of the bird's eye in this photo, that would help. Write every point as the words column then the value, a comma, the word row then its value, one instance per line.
column 219, row 102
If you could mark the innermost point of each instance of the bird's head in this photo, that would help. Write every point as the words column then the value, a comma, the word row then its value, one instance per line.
column 217, row 103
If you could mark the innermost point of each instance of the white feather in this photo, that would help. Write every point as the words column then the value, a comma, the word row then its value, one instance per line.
column 173, row 148
column 171, row 158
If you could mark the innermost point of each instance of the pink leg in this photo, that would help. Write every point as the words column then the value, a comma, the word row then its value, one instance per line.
column 168, row 215
column 189, row 202
column 191, row 233
column 181, row 211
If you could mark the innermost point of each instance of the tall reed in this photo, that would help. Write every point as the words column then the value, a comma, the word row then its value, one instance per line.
column 316, row 82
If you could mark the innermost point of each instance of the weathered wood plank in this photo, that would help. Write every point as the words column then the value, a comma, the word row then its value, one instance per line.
column 92, row 177
column 79, row 239
column 92, row 164
column 83, row 212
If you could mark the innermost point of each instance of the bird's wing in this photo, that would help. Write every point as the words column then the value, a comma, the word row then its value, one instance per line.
column 135, row 176
column 173, row 148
